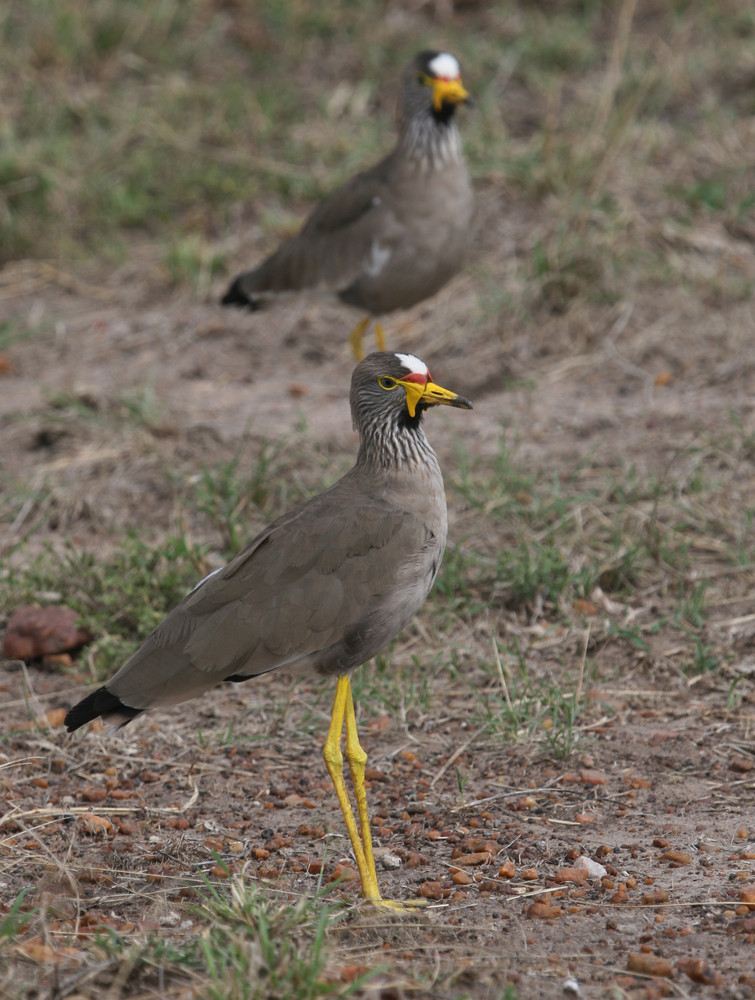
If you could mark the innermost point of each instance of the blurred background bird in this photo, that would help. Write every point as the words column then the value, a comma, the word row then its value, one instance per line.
column 394, row 234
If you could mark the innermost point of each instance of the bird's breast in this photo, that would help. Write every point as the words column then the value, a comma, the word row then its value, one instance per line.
column 421, row 243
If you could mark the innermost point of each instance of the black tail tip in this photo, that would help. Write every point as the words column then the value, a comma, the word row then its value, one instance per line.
column 236, row 296
column 99, row 702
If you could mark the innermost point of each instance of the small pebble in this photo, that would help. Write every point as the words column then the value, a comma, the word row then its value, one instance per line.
column 390, row 861
column 593, row 868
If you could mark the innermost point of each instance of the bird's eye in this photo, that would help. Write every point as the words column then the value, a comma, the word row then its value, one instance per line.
column 386, row 382
column 423, row 79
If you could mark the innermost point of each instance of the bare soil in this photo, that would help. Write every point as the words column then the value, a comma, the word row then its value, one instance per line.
column 659, row 787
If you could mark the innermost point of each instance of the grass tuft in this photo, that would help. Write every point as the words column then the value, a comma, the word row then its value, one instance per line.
column 254, row 948
column 15, row 920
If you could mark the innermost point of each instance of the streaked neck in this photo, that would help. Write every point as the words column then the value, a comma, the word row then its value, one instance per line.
column 391, row 448
column 430, row 145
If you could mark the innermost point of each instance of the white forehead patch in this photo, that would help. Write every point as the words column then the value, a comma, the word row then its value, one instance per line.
column 445, row 66
column 413, row 364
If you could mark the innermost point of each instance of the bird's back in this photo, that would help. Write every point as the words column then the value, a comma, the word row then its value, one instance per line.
column 324, row 592
column 391, row 237
column 332, row 246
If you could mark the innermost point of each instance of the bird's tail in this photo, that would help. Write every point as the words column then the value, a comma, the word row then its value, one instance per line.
column 237, row 295
column 100, row 702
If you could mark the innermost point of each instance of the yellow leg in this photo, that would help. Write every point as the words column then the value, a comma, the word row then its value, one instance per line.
column 357, row 758
column 380, row 336
column 334, row 763
column 343, row 708
column 355, row 339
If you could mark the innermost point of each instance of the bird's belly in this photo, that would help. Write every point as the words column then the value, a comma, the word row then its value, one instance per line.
column 429, row 254
column 386, row 618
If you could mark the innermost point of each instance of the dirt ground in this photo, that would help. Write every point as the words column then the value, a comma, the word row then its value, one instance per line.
column 659, row 787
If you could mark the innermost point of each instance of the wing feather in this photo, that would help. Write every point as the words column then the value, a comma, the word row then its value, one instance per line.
column 295, row 596
column 337, row 243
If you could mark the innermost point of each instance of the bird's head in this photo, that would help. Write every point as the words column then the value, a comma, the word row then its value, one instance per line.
column 433, row 81
column 394, row 390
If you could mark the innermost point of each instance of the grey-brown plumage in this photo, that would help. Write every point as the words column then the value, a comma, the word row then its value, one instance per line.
column 395, row 234
column 326, row 586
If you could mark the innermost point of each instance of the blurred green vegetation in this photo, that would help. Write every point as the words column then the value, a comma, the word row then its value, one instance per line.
column 170, row 119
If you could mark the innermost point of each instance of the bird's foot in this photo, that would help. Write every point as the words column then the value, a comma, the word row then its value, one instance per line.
column 398, row 905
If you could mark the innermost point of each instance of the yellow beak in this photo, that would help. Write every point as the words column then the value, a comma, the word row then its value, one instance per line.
column 450, row 91
column 431, row 394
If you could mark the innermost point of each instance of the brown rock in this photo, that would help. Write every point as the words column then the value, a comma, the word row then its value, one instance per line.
column 174, row 822
column 93, row 794
column 584, row 607
column 474, row 845
column 34, row 631
column 462, row 878
column 53, row 662
column 741, row 764
column 96, row 826
column 54, row 717
column 577, row 875
column 430, row 890
column 589, row 776
column 648, row 964
column 680, row 857
column 699, row 971
column 128, row 827
column 345, row 873
column 543, row 910
column 655, row 897
column 659, row 736
column 373, row 774
column 415, row 860
column 349, row 973
column 741, row 925
column 479, row 858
